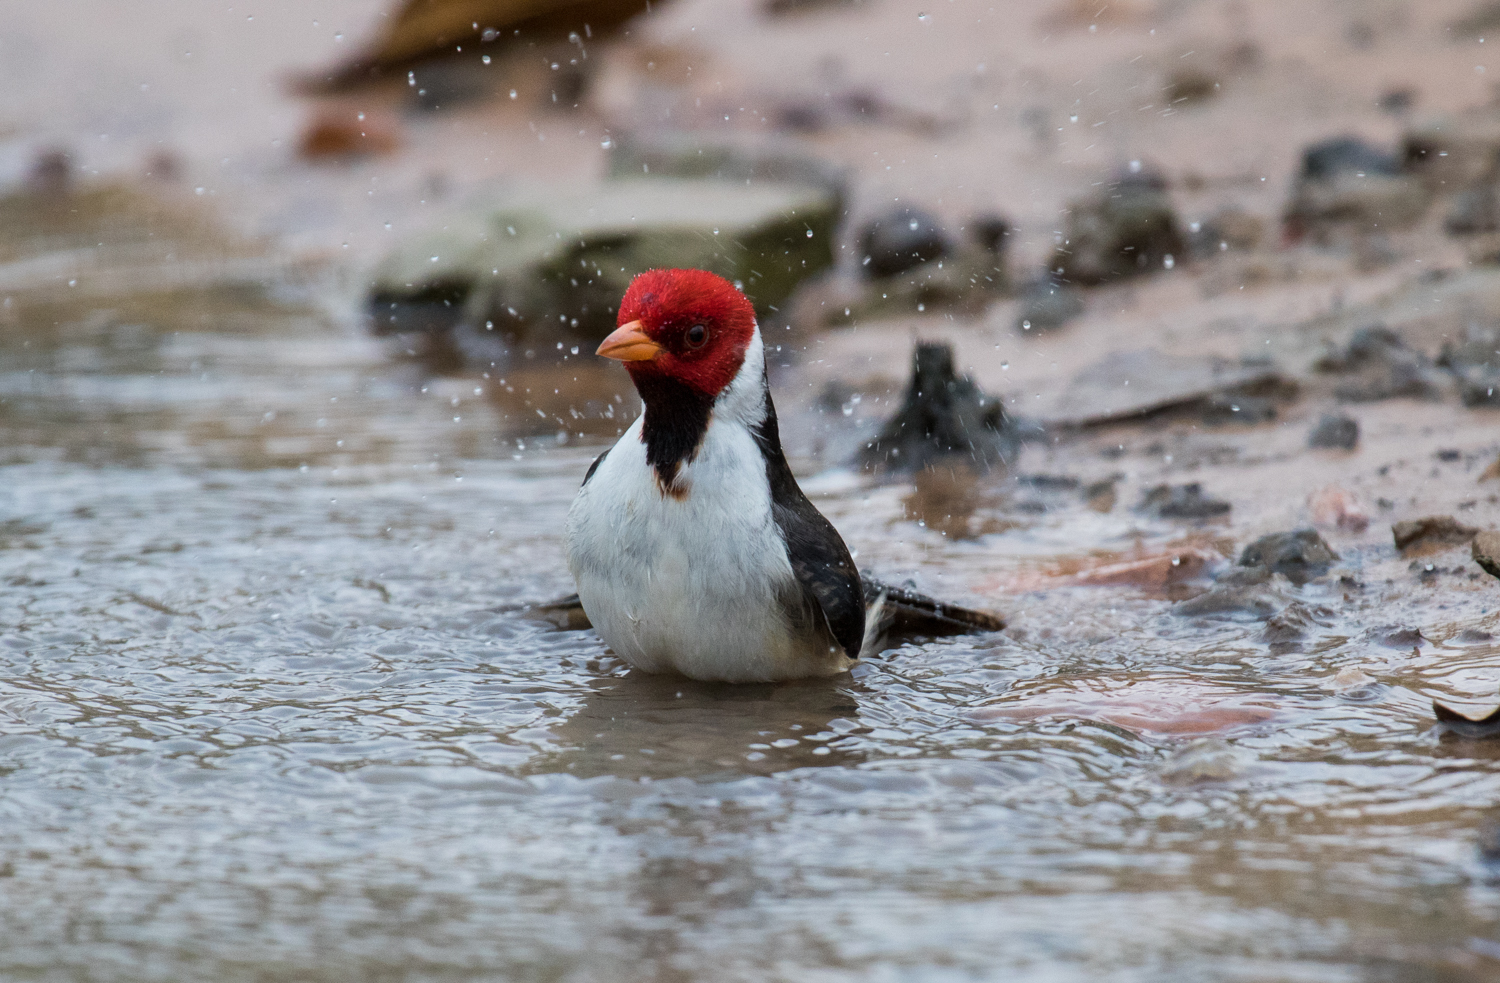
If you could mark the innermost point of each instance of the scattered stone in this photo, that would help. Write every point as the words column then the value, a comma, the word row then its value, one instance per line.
column 1299, row 556
column 898, row 241
column 348, row 134
column 1182, row 502
column 990, row 232
column 1287, row 627
column 1486, row 552
column 1204, row 761
column 1417, row 537
column 1397, row 102
column 51, row 172
column 1397, row 636
column 1464, row 725
column 1346, row 185
column 540, row 269
column 1475, row 362
column 1333, row 507
column 1475, row 210
column 1474, row 636
column 944, row 418
column 1128, row 230
column 1448, row 455
column 1260, row 601
column 1100, row 496
column 1383, row 367
column 1335, row 431
column 1047, row 304
column 1191, row 85
column 1222, row 410
column 1354, row 684
column 1482, row 19
column 1491, row 473
column 1143, row 382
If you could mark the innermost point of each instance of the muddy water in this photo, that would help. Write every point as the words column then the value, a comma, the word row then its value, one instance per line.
column 269, row 711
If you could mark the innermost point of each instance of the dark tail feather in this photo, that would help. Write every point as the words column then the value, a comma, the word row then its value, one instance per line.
column 907, row 612
column 893, row 611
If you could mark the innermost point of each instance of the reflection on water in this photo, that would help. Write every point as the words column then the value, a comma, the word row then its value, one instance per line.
column 268, row 711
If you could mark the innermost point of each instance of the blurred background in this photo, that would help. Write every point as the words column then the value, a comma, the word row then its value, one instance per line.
column 298, row 304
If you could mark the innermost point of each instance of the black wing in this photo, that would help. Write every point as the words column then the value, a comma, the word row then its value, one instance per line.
column 819, row 558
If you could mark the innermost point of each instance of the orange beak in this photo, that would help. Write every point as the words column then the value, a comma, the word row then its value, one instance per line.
column 628, row 343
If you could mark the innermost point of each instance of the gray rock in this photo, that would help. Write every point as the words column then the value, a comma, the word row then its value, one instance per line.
column 1047, row 304
column 1431, row 534
column 1336, row 432
column 1145, row 381
column 1129, row 229
column 1299, row 556
column 945, row 417
column 1381, row 366
column 991, row 233
column 900, row 240
column 1222, row 410
column 1348, row 187
column 1182, row 502
column 535, row 268
column 1475, row 363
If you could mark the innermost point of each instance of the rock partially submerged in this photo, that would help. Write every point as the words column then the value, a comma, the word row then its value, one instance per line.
column 1129, row 229
column 547, row 267
column 944, row 418
column 1464, row 725
column 1434, row 533
column 1299, row 556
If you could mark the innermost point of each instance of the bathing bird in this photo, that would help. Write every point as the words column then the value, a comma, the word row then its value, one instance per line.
column 694, row 550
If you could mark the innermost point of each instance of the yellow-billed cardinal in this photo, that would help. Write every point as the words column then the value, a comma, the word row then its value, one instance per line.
column 694, row 550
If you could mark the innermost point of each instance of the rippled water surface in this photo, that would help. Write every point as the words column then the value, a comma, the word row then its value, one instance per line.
column 270, row 710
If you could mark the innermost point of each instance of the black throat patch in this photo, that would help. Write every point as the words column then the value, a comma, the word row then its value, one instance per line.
column 676, row 420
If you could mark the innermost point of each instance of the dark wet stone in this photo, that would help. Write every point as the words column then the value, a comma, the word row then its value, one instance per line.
column 943, row 417
column 1431, row 534
column 1486, row 552
column 1222, row 410
column 1299, row 556
column 991, row 233
column 1448, row 454
column 1182, row 502
column 1347, row 155
column 1397, row 102
column 1047, row 304
column 1129, row 229
column 900, row 240
column 1335, row 432
column 1464, row 725
column 1381, row 366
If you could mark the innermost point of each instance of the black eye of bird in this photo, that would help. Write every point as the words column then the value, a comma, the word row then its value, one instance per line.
column 696, row 336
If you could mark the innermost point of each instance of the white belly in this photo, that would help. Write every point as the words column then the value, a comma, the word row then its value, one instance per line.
column 691, row 584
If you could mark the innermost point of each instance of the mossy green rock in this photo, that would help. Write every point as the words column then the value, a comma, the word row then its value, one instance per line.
column 542, row 266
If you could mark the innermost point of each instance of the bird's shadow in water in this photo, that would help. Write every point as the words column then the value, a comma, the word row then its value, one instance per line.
column 640, row 725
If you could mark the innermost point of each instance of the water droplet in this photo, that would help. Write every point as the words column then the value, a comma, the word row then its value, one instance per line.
column 433, row 259
column 1168, row 262
column 411, row 79
column 1025, row 325
column 1135, row 167
column 512, row 93
column 1004, row 366
column 809, row 233
column 925, row 18
column 485, row 59
column 388, row 225
column 1073, row 118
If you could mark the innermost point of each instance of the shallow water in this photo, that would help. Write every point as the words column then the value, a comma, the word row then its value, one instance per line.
column 269, row 710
